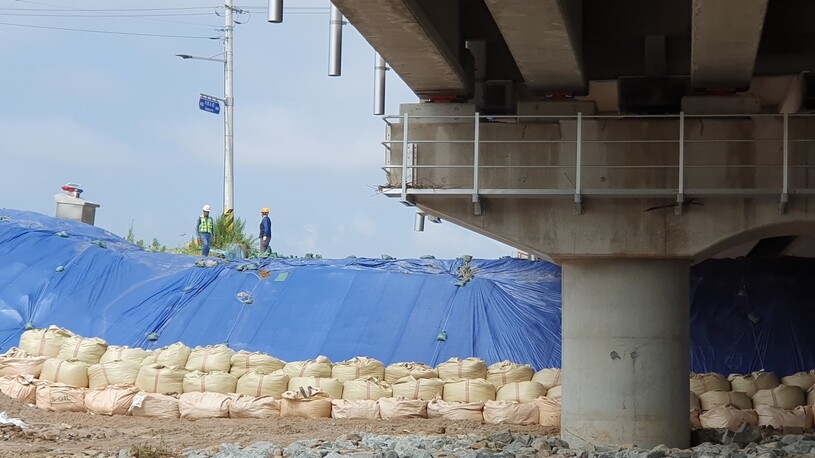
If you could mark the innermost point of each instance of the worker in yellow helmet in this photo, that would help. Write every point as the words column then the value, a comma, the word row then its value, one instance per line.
column 265, row 230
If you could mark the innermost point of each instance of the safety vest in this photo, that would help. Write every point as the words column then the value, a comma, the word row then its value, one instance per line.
column 205, row 224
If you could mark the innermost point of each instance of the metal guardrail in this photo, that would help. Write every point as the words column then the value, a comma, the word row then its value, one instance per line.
column 409, row 168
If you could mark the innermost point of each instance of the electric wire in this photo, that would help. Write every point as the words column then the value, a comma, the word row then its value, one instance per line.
column 158, row 35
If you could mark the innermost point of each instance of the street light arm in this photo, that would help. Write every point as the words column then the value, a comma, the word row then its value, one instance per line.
column 187, row 56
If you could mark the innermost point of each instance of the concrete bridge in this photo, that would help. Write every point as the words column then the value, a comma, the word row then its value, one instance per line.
column 624, row 139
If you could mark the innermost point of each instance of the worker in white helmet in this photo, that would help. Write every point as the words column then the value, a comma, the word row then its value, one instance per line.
column 205, row 231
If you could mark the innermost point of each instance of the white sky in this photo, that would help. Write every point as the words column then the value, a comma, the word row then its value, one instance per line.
column 119, row 115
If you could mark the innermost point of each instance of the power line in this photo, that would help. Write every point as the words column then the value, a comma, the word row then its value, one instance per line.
column 109, row 32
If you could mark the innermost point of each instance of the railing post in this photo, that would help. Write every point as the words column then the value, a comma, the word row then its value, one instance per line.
column 404, row 157
column 476, row 162
column 782, row 205
column 680, row 194
column 578, row 189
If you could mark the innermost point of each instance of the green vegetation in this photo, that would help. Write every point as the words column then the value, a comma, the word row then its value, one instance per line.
column 151, row 451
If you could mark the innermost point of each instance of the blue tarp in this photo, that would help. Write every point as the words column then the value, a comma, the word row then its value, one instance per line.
column 746, row 314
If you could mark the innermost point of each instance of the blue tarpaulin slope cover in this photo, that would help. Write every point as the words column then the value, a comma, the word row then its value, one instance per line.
column 90, row 281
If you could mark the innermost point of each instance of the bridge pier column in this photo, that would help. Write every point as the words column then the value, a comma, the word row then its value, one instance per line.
column 625, row 352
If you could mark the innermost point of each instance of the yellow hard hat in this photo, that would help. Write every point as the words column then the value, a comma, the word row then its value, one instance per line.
column 264, row 210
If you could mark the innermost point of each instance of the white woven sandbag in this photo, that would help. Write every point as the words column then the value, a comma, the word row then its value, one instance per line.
column 86, row 349
column 112, row 373
column 728, row 417
column 358, row 367
column 71, row 372
column 549, row 377
column 786, row 397
column 305, row 403
column 398, row 371
column 21, row 387
column 468, row 390
column 367, row 388
column 511, row 413
column 418, row 388
column 176, row 354
column 694, row 401
column 811, row 395
column 713, row 399
column 331, row 386
column 59, row 397
column 19, row 362
column 243, row 406
column 778, row 417
column 318, row 367
column 554, row 392
column 695, row 422
column 472, row 368
column 155, row 378
column 711, row 381
column 44, row 342
column 398, row 407
column 803, row 380
column 154, row 405
column 124, row 353
column 210, row 359
column 244, row 361
column 439, row 408
column 360, row 409
column 260, row 382
column 200, row 405
column 549, row 410
column 215, row 382
column 110, row 400
column 751, row 383
column 505, row 372
column 520, row 391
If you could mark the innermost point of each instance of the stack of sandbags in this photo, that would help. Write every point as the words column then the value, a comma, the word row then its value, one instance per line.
column 44, row 342
column 779, row 418
column 244, row 361
column 467, row 368
column 549, row 410
column 549, row 377
column 511, row 412
column 155, row 405
column 61, row 397
column 306, row 403
column 505, row 372
column 370, row 388
column 125, row 353
column 318, row 367
column 728, row 417
column 243, row 406
column 363, row 409
column 110, row 400
column 156, row 378
column 468, row 390
column 712, row 399
column 19, row 362
column 399, row 407
column 439, row 408
column 358, row 367
column 212, row 382
column 751, row 383
column 520, row 391
column 418, row 388
column 803, row 380
column 261, row 382
column 174, row 355
column 711, row 381
column 70, row 372
column 330, row 386
column 397, row 371
column 199, row 405
column 213, row 358
column 783, row 396
column 116, row 372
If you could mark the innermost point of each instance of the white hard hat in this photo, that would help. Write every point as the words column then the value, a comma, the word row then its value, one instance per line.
column 206, row 208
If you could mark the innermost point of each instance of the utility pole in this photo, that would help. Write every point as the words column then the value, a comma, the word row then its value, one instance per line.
column 229, row 102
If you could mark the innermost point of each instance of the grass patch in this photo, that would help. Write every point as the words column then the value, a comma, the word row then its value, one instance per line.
column 151, row 451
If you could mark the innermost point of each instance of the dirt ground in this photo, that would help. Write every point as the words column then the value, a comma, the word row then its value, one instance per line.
column 56, row 434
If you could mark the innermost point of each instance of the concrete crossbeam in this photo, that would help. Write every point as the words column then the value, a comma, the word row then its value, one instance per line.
column 544, row 38
column 724, row 42
column 426, row 63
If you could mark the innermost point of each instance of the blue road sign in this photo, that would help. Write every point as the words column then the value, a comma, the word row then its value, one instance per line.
column 206, row 104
